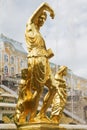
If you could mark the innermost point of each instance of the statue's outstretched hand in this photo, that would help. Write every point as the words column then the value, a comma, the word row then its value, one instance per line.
column 50, row 10
column 52, row 14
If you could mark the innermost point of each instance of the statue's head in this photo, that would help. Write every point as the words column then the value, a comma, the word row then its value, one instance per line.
column 63, row 70
column 41, row 19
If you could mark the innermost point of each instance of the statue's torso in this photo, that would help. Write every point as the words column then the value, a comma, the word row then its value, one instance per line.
column 35, row 42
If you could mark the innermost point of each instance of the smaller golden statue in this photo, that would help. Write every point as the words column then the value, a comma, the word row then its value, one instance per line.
column 60, row 97
column 25, row 95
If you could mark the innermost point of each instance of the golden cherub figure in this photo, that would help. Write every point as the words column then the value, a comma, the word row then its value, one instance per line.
column 60, row 97
column 25, row 96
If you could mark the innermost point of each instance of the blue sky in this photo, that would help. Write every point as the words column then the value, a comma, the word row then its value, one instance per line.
column 66, row 34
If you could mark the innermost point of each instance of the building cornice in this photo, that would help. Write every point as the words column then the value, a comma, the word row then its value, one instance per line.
column 17, row 45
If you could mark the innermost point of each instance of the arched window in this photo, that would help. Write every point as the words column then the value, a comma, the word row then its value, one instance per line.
column 0, row 56
column 12, row 60
column 12, row 70
column 85, row 113
column 5, row 58
column 21, row 64
column 6, row 70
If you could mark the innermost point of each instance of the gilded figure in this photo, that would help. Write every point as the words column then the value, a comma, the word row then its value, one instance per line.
column 24, row 95
column 59, row 100
column 39, row 71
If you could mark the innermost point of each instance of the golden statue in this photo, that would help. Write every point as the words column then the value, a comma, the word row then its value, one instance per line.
column 60, row 97
column 38, row 65
column 25, row 96
column 38, row 74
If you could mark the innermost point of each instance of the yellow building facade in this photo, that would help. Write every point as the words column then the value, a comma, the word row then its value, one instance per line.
column 13, row 57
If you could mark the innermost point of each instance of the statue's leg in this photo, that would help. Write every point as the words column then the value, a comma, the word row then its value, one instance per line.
column 23, row 116
column 59, row 102
column 47, row 101
column 35, row 103
column 19, row 110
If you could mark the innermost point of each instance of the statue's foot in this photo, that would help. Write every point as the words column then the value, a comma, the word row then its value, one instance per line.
column 42, row 119
column 54, row 119
column 32, row 120
column 19, row 122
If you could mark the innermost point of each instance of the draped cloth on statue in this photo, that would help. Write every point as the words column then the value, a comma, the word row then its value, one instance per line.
column 39, row 71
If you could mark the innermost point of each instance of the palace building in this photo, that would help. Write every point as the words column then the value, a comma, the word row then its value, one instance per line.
column 13, row 57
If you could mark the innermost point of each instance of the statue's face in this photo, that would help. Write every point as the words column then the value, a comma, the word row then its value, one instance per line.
column 41, row 20
column 65, row 72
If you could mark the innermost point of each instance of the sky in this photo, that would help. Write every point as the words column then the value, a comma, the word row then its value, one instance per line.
column 66, row 34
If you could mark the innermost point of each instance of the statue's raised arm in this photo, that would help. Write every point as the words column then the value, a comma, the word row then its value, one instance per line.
column 43, row 7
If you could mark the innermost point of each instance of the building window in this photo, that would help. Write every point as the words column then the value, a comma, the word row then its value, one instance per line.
column 12, row 60
column 12, row 70
column 85, row 113
column 0, row 56
column 5, row 58
column 6, row 70
column 21, row 64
